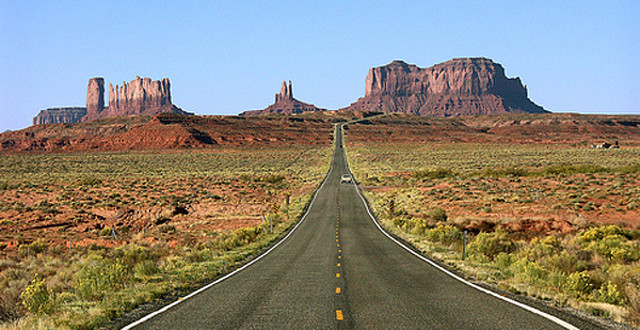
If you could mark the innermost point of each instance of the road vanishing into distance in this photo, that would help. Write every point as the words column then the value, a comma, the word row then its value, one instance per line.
column 337, row 269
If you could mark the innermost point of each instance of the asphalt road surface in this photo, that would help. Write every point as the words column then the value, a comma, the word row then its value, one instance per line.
column 338, row 270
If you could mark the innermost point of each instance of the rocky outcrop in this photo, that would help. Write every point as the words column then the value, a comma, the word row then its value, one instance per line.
column 463, row 86
column 59, row 116
column 284, row 103
column 95, row 97
column 141, row 96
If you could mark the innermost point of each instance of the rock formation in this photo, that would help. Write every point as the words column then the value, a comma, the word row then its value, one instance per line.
column 59, row 116
column 141, row 96
column 463, row 86
column 95, row 97
column 284, row 103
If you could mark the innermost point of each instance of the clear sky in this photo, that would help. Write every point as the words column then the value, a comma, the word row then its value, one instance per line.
column 224, row 57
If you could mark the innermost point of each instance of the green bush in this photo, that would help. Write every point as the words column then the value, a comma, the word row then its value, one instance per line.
column 89, row 181
column 38, row 246
column 145, row 268
column 97, row 278
column 438, row 214
column 444, row 234
column 487, row 245
column 598, row 233
column 540, row 247
column 575, row 169
column 564, row 262
column 609, row 293
column 579, row 284
column 490, row 172
column 36, row 297
column 529, row 271
column 503, row 261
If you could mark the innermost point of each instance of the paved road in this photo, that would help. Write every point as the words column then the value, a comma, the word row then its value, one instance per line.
column 338, row 270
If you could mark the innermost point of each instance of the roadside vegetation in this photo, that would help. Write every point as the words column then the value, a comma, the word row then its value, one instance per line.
column 560, row 224
column 87, row 237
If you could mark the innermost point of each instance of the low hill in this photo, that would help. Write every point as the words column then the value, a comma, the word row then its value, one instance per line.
column 556, row 128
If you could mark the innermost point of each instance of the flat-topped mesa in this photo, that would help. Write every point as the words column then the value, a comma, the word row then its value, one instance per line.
column 284, row 103
column 461, row 86
column 66, row 115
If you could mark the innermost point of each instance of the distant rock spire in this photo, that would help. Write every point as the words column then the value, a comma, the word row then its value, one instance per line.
column 286, row 93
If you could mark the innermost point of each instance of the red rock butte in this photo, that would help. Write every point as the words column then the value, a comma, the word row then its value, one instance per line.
column 284, row 103
column 141, row 96
column 461, row 86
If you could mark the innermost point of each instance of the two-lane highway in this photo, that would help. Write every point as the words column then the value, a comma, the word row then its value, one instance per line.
column 338, row 270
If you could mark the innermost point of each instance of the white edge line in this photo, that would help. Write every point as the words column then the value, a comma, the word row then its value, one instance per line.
column 173, row 304
column 475, row 286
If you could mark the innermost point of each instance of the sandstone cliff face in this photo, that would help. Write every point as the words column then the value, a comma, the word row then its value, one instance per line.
column 59, row 116
column 465, row 86
column 284, row 103
column 141, row 96
column 95, row 97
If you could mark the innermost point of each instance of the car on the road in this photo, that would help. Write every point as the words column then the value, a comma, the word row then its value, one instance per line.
column 345, row 178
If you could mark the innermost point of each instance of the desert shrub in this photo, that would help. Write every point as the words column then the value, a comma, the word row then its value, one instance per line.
column 439, row 173
column 239, row 237
column 487, row 245
column 580, row 284
column 274, row 179
column 632, row 293
column 38, row 246
column 167, row 229
column 540, row 247
column 491, row 172
column 589, row 206
column 609, row 293
column 529, row 271
column 575, row 169
column 564, row 262
column 598, row 233
column 89, row 181
column 97, row 278
column 503, row 261
column 443, row 234
column 612, row 242
column 105, row 232
column 134, row 254
column 37, row 298
column 145, row 268
column 438, row 214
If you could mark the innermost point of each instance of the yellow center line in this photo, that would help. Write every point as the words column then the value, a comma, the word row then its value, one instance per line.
column 338, row 275
column 339, row 251
column 338, row 290
column 339, row 257
column 339, row 316
column 338, row 264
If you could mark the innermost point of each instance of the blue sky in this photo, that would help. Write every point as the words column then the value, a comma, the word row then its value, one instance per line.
column 224, row 57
